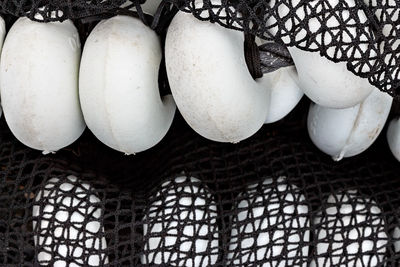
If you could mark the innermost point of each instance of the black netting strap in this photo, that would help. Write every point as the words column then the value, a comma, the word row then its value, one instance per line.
column 159, row 22
column 274, row 56
column 265, row 58
column 252, row 56
column 147, row 19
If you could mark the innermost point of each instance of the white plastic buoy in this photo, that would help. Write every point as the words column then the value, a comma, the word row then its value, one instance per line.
column 285, row 92
column 2, row 36
column 118, row 86
column 39, row 83
column 67, row 225
column 210, row 81
column 393, row 137
column 348, row 132
column 180, row 226
column 350, row 231
column 396, row 239
column 271, row 228
column 327, row 83
column 2, row 32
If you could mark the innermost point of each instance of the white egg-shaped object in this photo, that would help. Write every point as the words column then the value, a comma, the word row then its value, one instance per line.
column 348, row 132
column 2, row 36
column 118, row 86
column 271, row 226
column 2, row 32
column 285, row 92
column 393, row 137
column 39, row 83
column 210, row 80
column 180, row 225
column 350, row 231
column 67, row 224
column 327, row 83
column 396, row 239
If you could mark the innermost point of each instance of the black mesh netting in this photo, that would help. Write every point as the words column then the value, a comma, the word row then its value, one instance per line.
column 363, row 33
column 273, row 200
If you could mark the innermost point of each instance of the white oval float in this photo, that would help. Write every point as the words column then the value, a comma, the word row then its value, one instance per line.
column 350, row 231
column 67, row 224
column 393, row 137
column 348, row 132
column 118, row 86
column 2, row 36
column 210, row 81
column 285, row 92
column 327, row 83
column 180, row 226
column 39, row 83
column 272, row 219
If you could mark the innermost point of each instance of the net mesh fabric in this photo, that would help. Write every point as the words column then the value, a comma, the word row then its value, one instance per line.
column 271, row 200
column 362, row 33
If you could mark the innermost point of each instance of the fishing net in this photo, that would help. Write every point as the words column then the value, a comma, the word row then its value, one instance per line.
column 364, row 34
column 272, row 200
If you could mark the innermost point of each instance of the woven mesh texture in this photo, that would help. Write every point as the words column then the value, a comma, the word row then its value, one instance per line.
column 273, row 200
column 364, row 34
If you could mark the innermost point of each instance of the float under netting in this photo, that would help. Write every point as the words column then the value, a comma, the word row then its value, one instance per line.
column 272, row 200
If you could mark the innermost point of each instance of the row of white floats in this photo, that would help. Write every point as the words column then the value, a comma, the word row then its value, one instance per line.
column 272, row 225
column 49, row 92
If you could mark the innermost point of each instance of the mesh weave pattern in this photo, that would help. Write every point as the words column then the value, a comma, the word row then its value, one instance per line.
column 275, row 186
column 364, row 34
column 271, row 199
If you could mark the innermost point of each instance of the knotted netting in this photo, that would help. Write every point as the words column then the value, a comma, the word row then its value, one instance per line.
column 362, row 33
column 272, row 200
